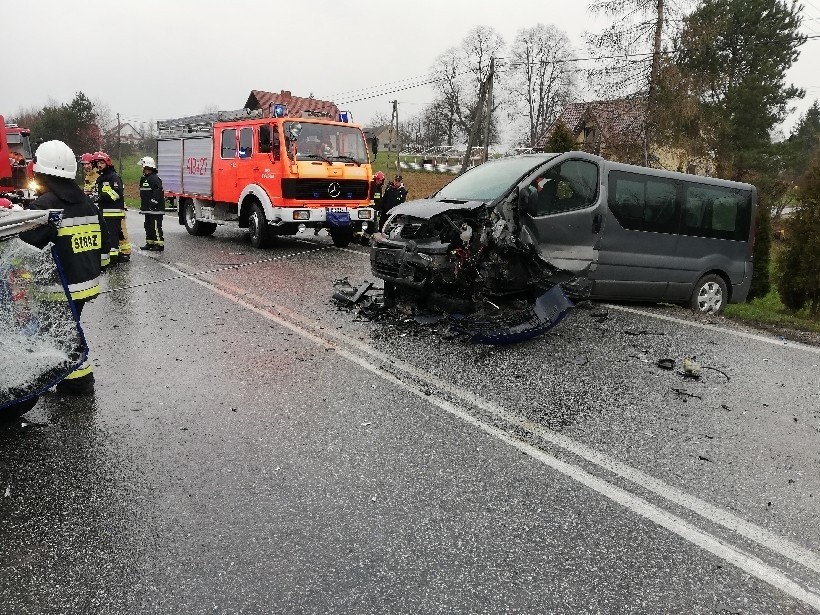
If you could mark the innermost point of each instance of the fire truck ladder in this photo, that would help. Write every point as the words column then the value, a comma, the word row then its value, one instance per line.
column 202, row 125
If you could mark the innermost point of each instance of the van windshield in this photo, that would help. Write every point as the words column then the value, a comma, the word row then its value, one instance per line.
column 490, row 180
column 328, row 142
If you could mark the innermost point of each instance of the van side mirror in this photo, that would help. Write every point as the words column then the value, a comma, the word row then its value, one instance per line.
column 264, row 139
column 527, row 200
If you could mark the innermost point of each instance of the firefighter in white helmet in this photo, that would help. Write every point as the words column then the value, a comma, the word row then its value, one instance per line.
column 152, row 205
column 79, row 240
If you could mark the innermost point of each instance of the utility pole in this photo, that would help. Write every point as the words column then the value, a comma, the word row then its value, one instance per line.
column 119, row 144
column 654, row 78
column 482, row 95
column 398, row 134
column 489, row 112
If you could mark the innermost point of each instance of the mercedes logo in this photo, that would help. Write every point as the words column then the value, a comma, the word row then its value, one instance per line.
column 334, row 190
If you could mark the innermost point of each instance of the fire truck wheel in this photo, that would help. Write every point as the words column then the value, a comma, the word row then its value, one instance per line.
column 260, row 234
column 341, row 236
column 192, row 225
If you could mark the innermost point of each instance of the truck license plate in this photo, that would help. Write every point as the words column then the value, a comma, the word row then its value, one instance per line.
column 337, row 209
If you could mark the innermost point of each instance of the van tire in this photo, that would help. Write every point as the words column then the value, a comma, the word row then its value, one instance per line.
column 260, row 234
column 709, row 295
column 194, row 227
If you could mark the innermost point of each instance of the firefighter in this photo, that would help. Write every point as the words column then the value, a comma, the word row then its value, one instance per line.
column 89, row 176
column 152, row 205
column 112, row 202
column 376, row 188
column 78, row 241
column 395, row 194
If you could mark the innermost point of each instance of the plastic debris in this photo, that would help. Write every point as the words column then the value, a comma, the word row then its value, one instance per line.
column 691, row 368
column 666, row 363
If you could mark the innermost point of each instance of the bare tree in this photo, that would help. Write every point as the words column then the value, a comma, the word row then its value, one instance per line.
column 459, row 73
column 542, row 80
column 631, row 46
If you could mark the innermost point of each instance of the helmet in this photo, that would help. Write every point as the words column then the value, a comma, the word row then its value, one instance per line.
column 379, row 176
column 147, row 161
column 101, row 156
column 5, row 203
column 86, row 158
column 55, row 158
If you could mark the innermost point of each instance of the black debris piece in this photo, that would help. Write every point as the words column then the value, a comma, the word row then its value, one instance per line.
column 666, row 363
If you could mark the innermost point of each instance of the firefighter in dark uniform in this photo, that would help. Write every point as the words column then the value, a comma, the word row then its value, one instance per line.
column 376, row 188
column 152, row 205
column 78, row 241
column 395, row 194
column 111, row 197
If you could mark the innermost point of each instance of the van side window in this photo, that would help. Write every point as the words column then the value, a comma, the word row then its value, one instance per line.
column 245, row 142
column 720, row 213
column 644, row 203
column 228, row 143
column 571, row 185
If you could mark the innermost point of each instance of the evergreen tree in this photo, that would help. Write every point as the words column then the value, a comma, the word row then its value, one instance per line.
column 74, row 123
column 736, row 62
column 799, row 283
column 562, row 140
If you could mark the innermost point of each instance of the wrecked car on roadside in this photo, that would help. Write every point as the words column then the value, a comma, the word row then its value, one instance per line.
column 472, row 241
column 512, row 228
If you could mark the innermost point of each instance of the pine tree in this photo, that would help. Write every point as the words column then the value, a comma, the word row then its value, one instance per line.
column 799, row 283
column 562, row 140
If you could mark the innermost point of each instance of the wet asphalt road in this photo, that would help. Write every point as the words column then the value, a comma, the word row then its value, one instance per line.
column 250, row 448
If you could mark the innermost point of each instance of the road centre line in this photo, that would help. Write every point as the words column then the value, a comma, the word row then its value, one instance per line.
column 638, row 505
column 215, row 270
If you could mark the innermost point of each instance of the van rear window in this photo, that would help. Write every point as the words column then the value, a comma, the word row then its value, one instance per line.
column 720, row 213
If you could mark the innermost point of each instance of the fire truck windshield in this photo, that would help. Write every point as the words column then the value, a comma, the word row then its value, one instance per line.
column 328, row 142
column 19, row 143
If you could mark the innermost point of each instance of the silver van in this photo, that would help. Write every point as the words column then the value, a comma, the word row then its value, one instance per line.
column 601, row 229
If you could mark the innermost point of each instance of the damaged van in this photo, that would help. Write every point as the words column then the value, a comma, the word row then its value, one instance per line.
column 516, row 226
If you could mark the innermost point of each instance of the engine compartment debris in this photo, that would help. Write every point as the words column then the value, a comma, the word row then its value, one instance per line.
column 502, row 322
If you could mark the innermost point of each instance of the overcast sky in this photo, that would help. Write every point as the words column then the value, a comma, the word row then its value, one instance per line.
column 150, row 59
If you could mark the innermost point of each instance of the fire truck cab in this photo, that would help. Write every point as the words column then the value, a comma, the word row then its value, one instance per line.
column 271, row 175
column 16, row 167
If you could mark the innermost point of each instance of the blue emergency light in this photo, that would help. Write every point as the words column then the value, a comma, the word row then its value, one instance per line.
column 278, row 110
column 344, row 116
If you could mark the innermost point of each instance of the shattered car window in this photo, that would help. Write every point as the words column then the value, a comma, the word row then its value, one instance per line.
column 490, row 180
column 570, row 185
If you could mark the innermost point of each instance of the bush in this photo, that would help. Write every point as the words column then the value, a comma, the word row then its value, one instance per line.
column 799, row 283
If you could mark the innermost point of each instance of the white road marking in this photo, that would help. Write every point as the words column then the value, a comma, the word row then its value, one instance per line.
column 636, row 504
column 701, row 325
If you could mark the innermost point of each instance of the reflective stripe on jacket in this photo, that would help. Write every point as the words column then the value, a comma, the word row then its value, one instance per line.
column 79, row 242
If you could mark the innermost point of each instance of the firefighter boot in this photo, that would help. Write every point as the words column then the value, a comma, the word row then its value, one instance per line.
column 78, row 382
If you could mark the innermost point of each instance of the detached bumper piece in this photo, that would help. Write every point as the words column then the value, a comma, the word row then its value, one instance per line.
column 510, row 328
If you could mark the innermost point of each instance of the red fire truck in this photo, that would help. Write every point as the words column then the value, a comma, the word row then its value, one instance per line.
column 275, row 175
column 16, row 167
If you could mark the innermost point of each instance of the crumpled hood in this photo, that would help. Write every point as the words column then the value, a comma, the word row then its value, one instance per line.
column 427, row 208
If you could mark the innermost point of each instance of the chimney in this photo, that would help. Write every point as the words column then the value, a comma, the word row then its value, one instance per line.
column 285, row 94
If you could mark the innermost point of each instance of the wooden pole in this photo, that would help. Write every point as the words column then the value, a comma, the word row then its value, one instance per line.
column 398, row 134
column 482, row 93
column 119, row 145
column 489, row 112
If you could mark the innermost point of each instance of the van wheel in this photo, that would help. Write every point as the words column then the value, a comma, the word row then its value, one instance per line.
column 260, row 234
column 709, row 295
column 192, row 225
column 341, row 236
